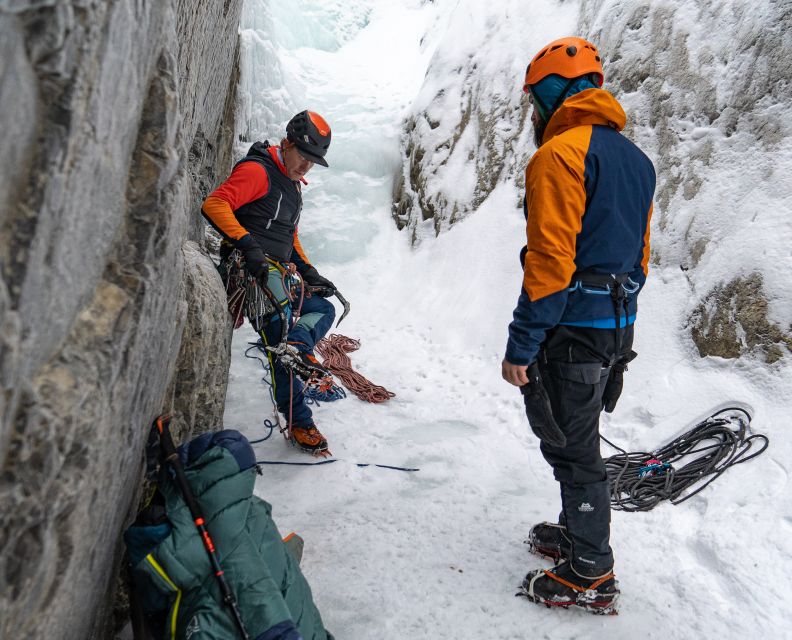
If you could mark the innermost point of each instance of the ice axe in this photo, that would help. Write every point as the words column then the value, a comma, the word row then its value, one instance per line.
column 326, row 292
column 344, row 302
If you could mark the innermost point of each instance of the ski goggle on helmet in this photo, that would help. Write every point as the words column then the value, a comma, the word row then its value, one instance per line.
column 311, row 135
column 567, row 57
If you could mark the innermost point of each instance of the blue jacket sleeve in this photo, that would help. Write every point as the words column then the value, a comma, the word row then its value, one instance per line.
column 532, row 320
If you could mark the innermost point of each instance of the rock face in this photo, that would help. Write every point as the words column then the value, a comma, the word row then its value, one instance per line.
column 708, row 93
column 732, row 320
column 115, row 117
column 468, row 132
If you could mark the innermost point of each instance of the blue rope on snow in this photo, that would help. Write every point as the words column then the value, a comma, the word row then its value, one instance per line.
column 314, row 464
column 268, row 424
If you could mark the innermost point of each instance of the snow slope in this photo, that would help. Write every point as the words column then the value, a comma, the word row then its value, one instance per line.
column 439, row 553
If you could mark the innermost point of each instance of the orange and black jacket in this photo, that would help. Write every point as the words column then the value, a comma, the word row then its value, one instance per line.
column 588, row 204
column 259, row 203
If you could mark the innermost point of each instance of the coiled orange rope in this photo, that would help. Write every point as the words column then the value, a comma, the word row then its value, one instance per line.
column 334, row 349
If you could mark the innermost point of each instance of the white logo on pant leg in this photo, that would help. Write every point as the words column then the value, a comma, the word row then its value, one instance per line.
column 585, row 507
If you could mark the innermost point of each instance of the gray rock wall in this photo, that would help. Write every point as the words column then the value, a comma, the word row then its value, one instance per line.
column 116, row 116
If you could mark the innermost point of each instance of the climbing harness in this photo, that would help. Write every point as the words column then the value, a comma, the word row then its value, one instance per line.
column 618, row 286
column 334, row 349
column 641, row 480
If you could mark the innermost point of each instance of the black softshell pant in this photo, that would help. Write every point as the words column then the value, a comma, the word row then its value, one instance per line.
column 575, row 363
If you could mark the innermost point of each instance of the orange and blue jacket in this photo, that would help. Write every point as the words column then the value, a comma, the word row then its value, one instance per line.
column 258, row 203
column 588, row 204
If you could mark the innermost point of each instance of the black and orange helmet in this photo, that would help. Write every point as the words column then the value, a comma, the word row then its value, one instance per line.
column 311, row 134
column 567, row 57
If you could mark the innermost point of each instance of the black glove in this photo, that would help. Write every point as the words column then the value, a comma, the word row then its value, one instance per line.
column 615, row 384
column 539, row 411
column 313, row 279
column 255, row 261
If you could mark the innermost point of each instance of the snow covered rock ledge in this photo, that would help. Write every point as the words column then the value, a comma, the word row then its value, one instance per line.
column 468, row 131
column 708, row 90
column 115, row 117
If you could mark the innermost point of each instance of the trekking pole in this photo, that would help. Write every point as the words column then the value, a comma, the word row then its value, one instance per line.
column 172, row 457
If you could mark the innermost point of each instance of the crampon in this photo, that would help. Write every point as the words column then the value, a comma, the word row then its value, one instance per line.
column 561, row 587
column 550, row 540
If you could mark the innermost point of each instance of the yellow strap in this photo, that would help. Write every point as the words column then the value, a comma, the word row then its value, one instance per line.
column 275, row 265
column 165, row 577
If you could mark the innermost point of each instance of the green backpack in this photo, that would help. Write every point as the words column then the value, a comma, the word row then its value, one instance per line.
column 175, row 584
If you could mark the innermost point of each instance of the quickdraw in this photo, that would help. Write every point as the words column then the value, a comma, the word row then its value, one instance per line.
column 290, row 358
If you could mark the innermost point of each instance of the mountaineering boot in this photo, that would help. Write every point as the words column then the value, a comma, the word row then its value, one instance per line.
column 550, row 540
column 562, row 587
column 295, row 545
column 309, row 439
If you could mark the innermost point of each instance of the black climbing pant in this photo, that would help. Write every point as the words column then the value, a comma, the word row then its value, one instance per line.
column 575, row 363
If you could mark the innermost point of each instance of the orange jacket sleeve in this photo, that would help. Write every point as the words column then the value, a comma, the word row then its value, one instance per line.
column 247, row 182
column 299, row 250
column 556, row 202
column 646, row 247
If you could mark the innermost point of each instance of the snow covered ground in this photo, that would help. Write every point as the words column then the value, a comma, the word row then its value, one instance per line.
column 439, row 553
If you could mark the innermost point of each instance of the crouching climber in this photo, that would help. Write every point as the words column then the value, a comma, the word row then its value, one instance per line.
column 257, row 210
column 588, row 203
column 207, row 560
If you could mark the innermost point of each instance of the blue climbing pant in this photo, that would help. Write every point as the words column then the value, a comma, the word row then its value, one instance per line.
column 316, row 318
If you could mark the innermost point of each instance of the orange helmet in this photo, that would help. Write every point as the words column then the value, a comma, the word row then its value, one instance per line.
column 311, row 134
column 568, row 57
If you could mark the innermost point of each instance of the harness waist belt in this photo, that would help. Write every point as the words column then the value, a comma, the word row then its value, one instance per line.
column 593, row 279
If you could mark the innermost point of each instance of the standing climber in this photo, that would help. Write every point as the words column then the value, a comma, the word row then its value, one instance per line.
column 588, row 203
column 257, row 210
